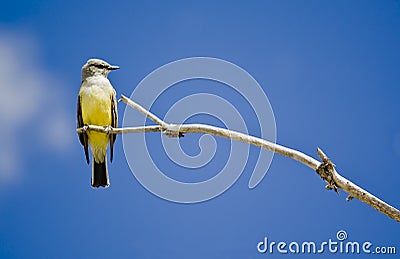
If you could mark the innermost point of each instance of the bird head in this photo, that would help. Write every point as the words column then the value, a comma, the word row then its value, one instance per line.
column 96, row 67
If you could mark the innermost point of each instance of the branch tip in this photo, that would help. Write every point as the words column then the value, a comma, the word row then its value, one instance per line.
column 324, row 157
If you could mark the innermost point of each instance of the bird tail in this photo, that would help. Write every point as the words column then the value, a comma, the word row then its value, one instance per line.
column 100, row 174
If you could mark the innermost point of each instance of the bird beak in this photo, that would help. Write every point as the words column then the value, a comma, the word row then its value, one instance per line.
column 114, row 67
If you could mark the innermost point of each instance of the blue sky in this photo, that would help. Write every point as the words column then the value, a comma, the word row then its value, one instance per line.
column 330, row 71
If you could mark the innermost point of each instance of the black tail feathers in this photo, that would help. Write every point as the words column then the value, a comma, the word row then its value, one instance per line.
column 100, row 174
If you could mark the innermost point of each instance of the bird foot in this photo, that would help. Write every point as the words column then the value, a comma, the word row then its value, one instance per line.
column 107, row 129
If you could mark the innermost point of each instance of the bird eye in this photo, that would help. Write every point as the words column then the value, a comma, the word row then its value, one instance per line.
column 100, row 66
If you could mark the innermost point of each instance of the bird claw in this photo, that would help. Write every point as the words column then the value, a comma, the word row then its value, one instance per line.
column 107, row 129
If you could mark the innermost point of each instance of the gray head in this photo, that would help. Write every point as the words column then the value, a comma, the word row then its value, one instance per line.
column 96, row 67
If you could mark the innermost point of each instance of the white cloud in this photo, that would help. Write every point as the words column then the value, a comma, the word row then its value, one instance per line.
column 27, row 91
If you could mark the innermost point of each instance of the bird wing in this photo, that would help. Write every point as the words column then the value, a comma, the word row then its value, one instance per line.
column 83, row 137
column 114, row 123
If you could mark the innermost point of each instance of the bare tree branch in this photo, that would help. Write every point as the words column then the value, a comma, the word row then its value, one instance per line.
column 325, row 169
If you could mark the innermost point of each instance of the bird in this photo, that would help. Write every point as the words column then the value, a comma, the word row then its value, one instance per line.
column 97, row 105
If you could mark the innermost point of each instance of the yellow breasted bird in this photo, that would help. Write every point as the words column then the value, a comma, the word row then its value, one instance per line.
column 97, row 105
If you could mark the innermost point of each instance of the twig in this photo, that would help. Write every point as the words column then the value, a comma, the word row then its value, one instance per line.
column 146, row 113
column 326, row 169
